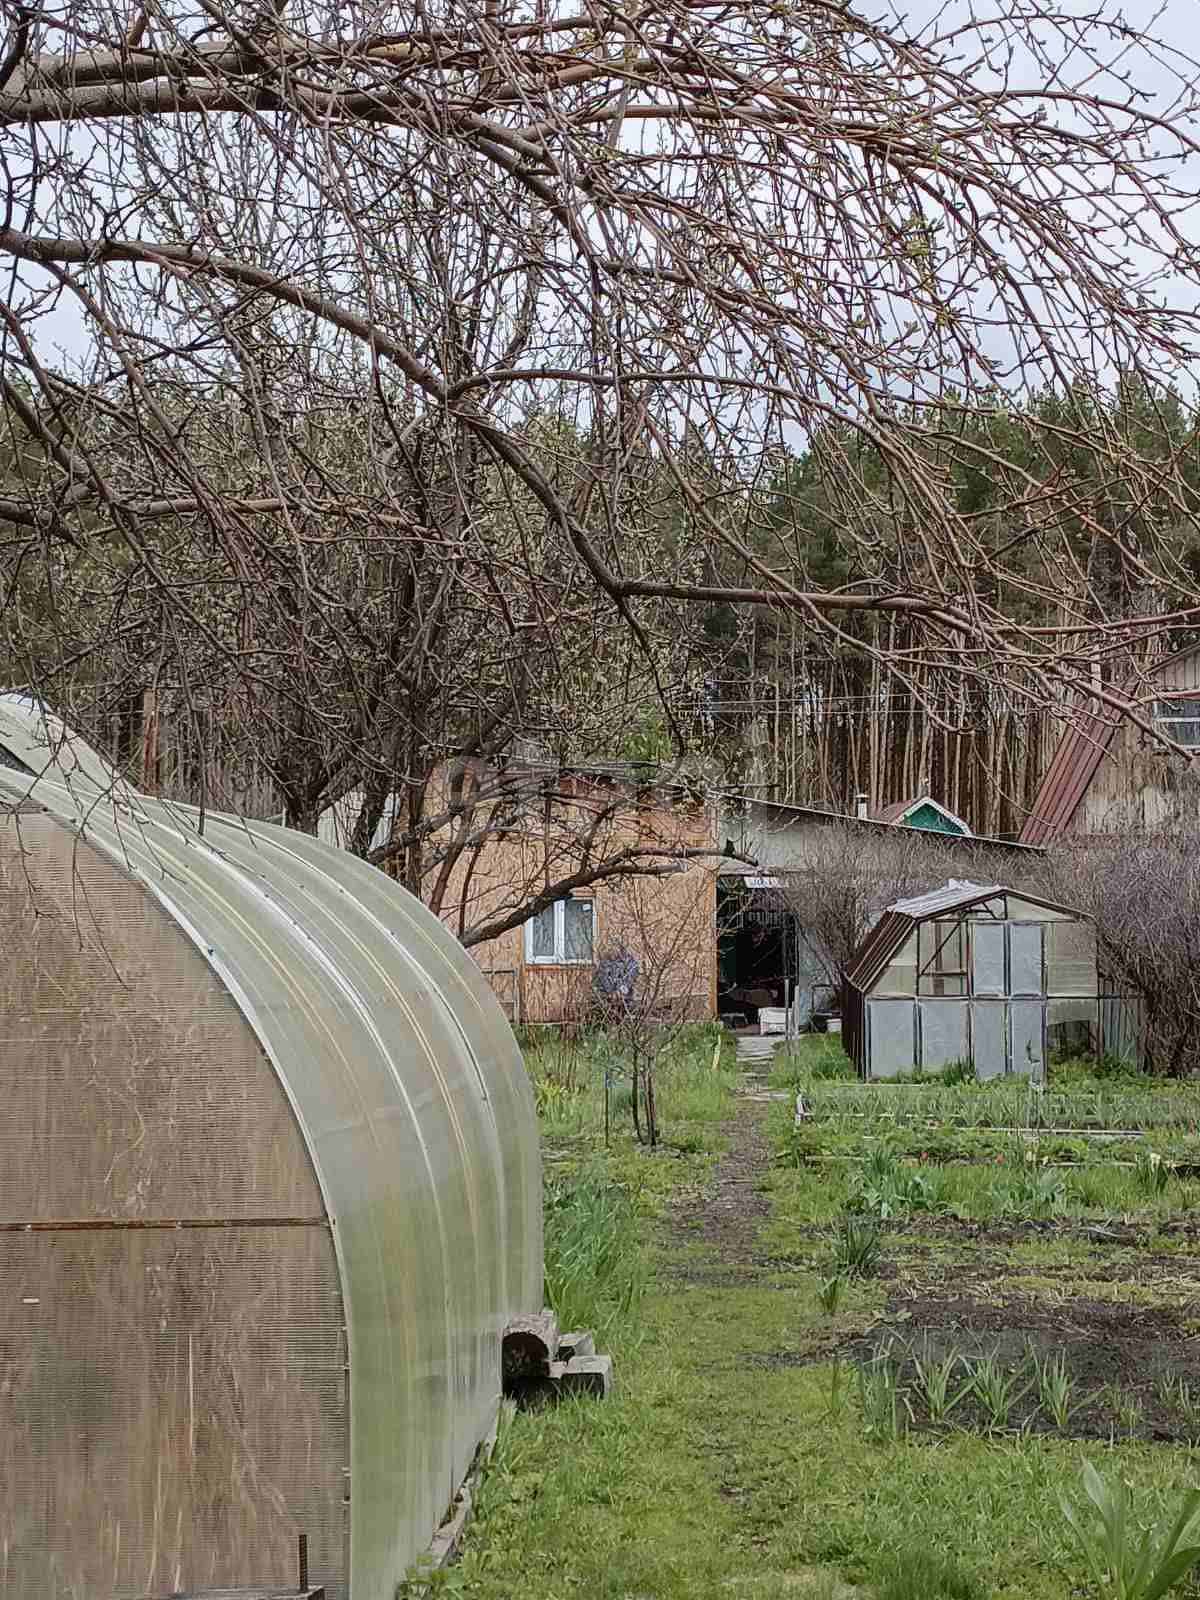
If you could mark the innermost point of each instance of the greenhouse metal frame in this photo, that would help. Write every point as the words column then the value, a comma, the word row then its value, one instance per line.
column 978, row 973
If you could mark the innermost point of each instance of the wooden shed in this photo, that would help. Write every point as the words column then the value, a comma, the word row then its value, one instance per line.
column 270, row 1192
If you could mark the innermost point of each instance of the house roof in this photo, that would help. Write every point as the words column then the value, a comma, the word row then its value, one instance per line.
column 816, row 814
column 1074, row 764
column 896, row 812
column 1077, row 757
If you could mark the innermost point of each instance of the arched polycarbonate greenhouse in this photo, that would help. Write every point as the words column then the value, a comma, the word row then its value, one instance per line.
column 270, row 1191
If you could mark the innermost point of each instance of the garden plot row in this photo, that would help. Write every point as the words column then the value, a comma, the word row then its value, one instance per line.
column 1005, row 1108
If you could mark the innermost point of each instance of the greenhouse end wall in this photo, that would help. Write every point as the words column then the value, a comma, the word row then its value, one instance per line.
column 174, row 1407
column 335, row 1122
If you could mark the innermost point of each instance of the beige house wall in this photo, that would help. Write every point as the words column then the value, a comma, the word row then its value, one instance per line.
column 667, row 922
column 1138, row 784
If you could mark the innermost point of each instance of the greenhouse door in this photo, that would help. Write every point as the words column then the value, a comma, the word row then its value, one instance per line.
column 1007, row 998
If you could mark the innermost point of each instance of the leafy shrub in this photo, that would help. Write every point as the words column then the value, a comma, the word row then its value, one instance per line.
column 957, row 1072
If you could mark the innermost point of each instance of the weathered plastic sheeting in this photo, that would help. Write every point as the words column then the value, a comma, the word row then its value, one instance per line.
column 989, row 1038
column 1120, row 1028
column 892, row 1038
column 1027, row 1038
column 987, row 959
column 1071, row 966
column 415, row 1107
column 943, row 1033
column 1025, row 973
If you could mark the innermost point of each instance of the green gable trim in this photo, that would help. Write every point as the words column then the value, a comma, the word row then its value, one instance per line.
column 930, row 818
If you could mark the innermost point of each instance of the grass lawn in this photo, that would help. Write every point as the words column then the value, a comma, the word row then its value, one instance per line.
column 793, row 1417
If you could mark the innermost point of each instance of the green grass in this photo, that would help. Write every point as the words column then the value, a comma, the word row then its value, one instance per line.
column 595, row 1271
column 734, row 1457
column 693, row 1097
column 710, row 1463
column 921, row 1574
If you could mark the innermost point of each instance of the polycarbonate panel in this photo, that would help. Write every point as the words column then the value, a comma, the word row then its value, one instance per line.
column 457, row 1126
column 1072, row 1027
column 484, row 1036
column 989, row 1038
column 891, row 1044
column 415, row 1106
column 172, row 1413
column 943, row 1032
column 1070, row 958
column 899, row 977
column 1026, row 1048
column 987, row 958
column 130, row 1083
column 1120, row 1028
column 43, row 743
column 1025, row 975
column 1031, row 911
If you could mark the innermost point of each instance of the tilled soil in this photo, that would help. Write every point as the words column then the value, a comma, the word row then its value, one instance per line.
column 1121, row 1356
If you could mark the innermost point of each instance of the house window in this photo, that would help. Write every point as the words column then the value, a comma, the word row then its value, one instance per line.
column 1179, row 720
column 562, row 934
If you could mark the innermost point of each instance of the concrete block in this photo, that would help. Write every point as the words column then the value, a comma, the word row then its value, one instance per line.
column 530, row 1344
column 590, row 1375
column 571, row 1345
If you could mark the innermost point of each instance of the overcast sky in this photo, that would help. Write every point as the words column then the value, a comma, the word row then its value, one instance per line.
column 1176, row 23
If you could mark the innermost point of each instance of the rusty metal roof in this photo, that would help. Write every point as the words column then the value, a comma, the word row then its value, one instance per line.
column 1068, row 777
column 887, row 937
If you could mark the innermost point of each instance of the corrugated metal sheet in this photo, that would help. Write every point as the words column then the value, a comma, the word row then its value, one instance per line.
column 957, row 894
column 409, row 1097
column 1073, row 766
column 897, row 922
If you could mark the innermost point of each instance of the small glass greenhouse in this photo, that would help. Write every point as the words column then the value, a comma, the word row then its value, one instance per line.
column 977, row 973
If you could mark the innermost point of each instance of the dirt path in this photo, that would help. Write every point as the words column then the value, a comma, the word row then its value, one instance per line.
column 726, row 1214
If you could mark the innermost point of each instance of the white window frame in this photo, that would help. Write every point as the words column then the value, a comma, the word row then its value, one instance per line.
column 1186, row 721
column 559, row 958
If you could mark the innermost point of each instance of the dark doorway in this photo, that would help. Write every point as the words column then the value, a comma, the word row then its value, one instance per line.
column 756, row 949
